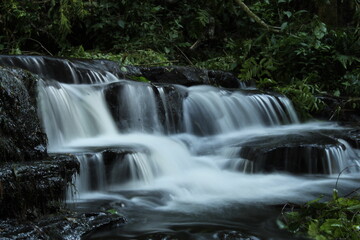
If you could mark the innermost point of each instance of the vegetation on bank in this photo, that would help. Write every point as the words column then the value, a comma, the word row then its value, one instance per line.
column 300, row 48
column 338, row 218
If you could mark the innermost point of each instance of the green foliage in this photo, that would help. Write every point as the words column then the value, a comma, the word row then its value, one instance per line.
column 226, row 63
column 36, row 26
column 112, row 211
column 303, row 96
column 338, row 218
column 146, row 57
column 139, row 79
column 169, row 27
column 309, row 57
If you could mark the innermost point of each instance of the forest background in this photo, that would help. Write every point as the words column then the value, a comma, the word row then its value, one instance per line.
column 307, row 50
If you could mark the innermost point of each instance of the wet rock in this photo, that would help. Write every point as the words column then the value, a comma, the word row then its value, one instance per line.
column 29, row 190
column 63, row 226
column 63, row 70
column 313, row 153
column 350, row 133
column 189, row 76
column 233, row 235
column 170, row 107
column 21, row 137
column 87, row 71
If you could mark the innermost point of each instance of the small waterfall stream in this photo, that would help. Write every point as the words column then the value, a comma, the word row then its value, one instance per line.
column 190, row 162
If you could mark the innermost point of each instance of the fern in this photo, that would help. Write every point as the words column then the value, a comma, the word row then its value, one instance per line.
column 203, row 17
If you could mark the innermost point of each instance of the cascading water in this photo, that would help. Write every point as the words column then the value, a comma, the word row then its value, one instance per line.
column 73, row 111
column 208, row 110
column 176, row 159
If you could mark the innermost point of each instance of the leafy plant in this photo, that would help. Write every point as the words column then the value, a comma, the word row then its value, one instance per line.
column 303, row 96
column 224, row 63
column 338, row 218
column 146, row 57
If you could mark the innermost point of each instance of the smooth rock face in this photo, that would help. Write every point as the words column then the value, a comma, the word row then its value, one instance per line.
column 21, row 137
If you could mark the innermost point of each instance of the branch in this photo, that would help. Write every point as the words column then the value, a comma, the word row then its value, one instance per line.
column 256, row 18
column 184, row 55
column 42, row 46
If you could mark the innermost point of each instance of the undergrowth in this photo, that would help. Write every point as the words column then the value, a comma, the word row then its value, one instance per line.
column 335, row 219
column 338, row 218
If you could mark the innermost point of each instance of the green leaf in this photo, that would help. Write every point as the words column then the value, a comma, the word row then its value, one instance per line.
column 121, row 23
column 112, row 211
column 284, row 26
column 335, row 194
column 314, row 201
column 288, row 13
column 281, row 224
column 355, row 207
column 321, row 237
column 330, row 226
column 337, row 93
column 320, row 30
column 313, row 230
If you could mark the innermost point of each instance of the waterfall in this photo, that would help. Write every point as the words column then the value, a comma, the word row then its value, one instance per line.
column 179, row 140
column 208, row 110
column 139, row 110
column 69, row 112
column 156, row 146
column 150, row 148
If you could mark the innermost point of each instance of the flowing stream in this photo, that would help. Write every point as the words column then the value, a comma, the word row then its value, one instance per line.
column 189, row 162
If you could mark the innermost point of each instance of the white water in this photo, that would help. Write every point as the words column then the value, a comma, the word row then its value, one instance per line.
column 208, row 110
column 197, row 167
column 73, row 111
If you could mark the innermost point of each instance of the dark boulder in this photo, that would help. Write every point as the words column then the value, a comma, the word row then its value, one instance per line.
column 309, row 153
column 21, row 137
column 170, row 106
column 29, row 190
